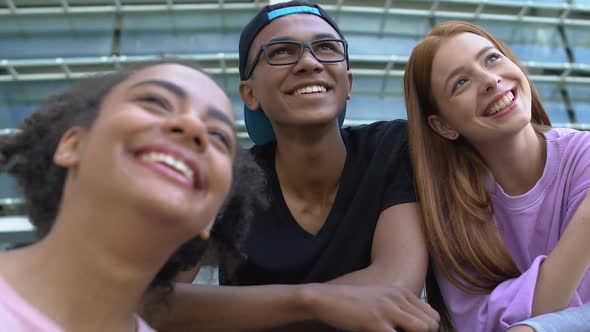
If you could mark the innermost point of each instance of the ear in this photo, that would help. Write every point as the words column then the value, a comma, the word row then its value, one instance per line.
column 205, row 233
column 350, row 79
column 439, row 125
column 68, row 149
column 247, row 95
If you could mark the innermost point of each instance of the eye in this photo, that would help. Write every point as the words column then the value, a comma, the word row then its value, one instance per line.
column 460, row 82
column 280, row 51
column 155, row 100
column 494, row 57
column 221, row 137
column 327, row 46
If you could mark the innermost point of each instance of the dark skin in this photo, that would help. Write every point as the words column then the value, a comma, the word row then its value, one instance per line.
column 380, row 297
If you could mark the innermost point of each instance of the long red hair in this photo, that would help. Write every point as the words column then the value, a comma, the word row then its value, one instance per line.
column 450, row 175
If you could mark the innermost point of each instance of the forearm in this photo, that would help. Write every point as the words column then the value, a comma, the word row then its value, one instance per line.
column 357, row 278
column 251, row 308
column 563, row 270
column 373, row 276
column 399, row 257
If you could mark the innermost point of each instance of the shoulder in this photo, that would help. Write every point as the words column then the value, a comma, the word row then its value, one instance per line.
column 382, row 133
column 379, row 127
column 381, row 147
column 571, row 143
column 572, row 154
column 18, row 315
column 567, row 136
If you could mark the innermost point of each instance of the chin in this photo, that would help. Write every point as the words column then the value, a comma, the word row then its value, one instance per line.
column 185, row 217
column 164, row 203
column 320, row 119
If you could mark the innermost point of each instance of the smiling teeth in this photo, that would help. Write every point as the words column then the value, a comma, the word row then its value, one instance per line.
column 310, row 89
column 178, row 165
column 503, row 103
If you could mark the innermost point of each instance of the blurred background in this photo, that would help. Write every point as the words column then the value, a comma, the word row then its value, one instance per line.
column 45, row 45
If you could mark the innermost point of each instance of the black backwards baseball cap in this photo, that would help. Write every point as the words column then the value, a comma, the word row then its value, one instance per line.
column 257, row 124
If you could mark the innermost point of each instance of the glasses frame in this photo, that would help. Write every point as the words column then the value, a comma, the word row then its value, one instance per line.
column 302, row 47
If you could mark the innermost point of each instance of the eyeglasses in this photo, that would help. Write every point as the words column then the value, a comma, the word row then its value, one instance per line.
column 282, row 53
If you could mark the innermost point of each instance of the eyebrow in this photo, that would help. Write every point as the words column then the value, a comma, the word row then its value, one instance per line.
column 462, row 68
column 325, row 36
column 315, row 37
column 280, row 39
column 175, row 89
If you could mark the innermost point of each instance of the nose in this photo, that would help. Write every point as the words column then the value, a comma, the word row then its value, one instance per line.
column 187, row 127
column 490, row 81
column 308, row 62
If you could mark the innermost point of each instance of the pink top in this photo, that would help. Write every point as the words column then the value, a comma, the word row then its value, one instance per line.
column 16, row 315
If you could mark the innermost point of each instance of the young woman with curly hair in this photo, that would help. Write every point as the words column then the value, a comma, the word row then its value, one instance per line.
column 123, row 175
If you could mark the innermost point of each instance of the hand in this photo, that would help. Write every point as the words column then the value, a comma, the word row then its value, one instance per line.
column 371, row 309
column 521, row 328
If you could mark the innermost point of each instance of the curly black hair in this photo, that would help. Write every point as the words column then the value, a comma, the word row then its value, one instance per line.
column 230, row 227
column 28, row 156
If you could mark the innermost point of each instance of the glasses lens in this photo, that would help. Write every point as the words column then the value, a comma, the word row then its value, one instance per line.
column 329, row 50
column 282, row 53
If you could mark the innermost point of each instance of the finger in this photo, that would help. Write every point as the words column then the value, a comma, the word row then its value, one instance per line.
column 425, row 307
column 429, row 323
column 411, row 319
column 385, row 328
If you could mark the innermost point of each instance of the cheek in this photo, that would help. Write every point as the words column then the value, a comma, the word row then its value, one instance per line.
column 101, row 139
column 527, row 89
column 124, row 123
column 342, row 76
column 222, row 174
column 463, row 107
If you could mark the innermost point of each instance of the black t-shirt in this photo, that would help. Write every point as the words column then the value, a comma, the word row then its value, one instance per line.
column 377, row 175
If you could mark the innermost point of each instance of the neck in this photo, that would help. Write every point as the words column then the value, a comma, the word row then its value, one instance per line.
column 96, row 276
column 518, row 162
column 310, row 164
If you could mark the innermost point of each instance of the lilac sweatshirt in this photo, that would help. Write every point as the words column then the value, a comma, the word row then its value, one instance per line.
column 530, row 226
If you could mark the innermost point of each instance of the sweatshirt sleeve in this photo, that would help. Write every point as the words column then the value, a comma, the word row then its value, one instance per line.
column 509, row 303
column 572, row 319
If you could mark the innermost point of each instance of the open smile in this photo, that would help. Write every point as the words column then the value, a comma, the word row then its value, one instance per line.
column 311, row 89
column 171, row 163
column 502, row 104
